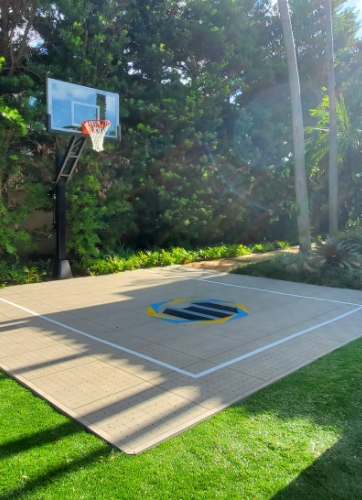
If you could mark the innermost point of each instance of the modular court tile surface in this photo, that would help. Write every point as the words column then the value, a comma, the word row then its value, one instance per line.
column 126, row 356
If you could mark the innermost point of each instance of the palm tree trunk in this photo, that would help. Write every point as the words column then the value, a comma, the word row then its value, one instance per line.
column 333, row 140
column 300, row 180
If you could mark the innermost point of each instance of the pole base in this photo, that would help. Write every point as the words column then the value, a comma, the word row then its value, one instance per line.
column 62, row 270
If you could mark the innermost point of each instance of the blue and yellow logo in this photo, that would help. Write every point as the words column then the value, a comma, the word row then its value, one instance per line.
column 187, row 310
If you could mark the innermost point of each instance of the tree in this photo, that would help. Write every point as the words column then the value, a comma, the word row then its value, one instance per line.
column 300, row 180
column 333, row 139
column 206, row 147
column 349, row 159
column 16, row 23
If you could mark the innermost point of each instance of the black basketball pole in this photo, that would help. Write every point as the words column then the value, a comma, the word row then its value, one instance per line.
column 61, row 268
column 64, row 168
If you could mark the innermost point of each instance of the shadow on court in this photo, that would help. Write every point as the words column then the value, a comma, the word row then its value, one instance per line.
column 328, row 392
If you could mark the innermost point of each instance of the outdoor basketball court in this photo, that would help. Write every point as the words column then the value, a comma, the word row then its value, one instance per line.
column 141, row 356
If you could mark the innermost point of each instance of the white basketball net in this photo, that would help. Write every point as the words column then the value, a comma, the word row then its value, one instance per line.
column 97, row 129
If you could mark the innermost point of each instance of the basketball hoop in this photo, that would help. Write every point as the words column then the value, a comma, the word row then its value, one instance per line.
column 96, row 129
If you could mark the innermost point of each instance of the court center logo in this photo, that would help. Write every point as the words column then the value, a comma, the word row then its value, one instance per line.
column 186, row 310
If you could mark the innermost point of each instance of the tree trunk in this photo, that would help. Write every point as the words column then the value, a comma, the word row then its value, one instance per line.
column 16, row 21
column 300, row 180
column 333, row 140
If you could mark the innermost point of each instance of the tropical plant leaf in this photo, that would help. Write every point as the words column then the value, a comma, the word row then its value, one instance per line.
column 335, row 253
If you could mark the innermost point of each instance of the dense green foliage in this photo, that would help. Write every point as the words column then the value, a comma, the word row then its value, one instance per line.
column 205, row 155
column 335, row 263
column 128, row 260
column 299, row 439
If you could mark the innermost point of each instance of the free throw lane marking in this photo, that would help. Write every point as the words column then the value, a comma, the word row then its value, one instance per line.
column 175, row 368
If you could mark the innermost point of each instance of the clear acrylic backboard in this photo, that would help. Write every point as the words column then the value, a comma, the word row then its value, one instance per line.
column 69, row 105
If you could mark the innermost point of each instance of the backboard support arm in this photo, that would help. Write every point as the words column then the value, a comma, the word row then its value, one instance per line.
column 70, row 159
column 64, row 167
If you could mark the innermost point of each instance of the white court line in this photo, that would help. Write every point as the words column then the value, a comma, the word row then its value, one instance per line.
column 207, row 280
column 278, row 342
column 175, row 368
column 75, row 330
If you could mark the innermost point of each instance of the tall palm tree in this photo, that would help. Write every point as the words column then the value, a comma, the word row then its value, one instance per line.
column 349, row 158
column 333, row 142
column 300, row 179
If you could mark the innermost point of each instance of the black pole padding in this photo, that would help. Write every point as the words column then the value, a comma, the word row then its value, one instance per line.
column 61, row 268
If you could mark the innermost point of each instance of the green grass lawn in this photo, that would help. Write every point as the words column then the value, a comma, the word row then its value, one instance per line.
column 301, row 438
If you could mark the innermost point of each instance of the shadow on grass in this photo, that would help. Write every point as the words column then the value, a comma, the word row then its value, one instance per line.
column 328, row 392
column 39, row 438
column 335, row 475
column 42, row 480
